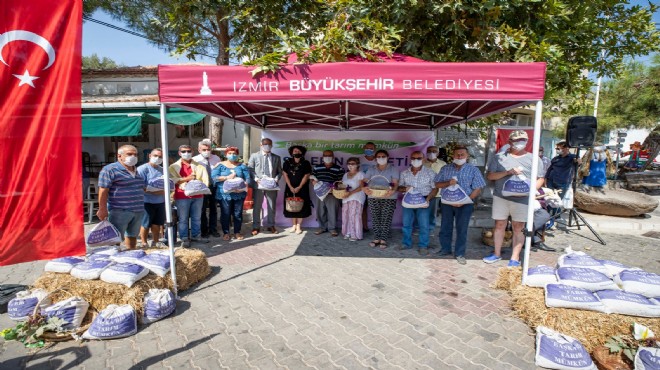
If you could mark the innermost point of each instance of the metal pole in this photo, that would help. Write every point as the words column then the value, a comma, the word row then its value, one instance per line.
column 532, row 188
column 597, row 96
column 168, row 205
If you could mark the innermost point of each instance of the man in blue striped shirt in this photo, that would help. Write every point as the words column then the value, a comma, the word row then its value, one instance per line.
column 471, row 181
column 121, row 195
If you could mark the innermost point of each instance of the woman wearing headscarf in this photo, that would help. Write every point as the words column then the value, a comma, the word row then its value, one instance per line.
column 231, row 203
column 296, row 171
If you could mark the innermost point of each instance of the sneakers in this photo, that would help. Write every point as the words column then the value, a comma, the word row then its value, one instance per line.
column 199, row 240
column 347, row 236
column 461, row 260
column 444, row 253
column 492, row 258
column 513, row 263
column 352, row 239
column 424, row 251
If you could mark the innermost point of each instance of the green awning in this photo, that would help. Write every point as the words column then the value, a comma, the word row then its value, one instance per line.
column 100, row 123
column 111, row 124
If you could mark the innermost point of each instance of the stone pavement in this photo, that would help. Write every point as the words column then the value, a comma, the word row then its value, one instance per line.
column 305, row 301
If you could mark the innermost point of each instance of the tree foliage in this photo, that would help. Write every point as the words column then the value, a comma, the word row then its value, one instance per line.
column 95, row 62
column 633, row 99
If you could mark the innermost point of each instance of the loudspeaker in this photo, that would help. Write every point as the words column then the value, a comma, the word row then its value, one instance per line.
column 581, row 131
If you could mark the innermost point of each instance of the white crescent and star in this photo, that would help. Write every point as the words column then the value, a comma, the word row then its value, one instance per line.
column 22, row 35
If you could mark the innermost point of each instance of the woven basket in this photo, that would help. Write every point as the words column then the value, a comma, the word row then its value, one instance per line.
column 51, row 336
column 339, row 190
column 487, row 238
column 379, row 191
column 294, row 203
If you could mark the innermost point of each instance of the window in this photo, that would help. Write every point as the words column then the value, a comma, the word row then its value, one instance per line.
column 123, row 88
column 197, row 130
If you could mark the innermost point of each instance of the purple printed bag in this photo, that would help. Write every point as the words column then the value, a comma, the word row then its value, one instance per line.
column 516, row 186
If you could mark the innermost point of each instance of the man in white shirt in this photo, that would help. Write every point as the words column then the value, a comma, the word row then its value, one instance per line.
column 209, row 160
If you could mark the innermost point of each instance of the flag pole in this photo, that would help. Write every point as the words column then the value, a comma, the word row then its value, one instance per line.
column 168, row 205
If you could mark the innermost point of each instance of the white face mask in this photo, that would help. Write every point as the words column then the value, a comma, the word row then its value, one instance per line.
column 416, row 163
column 205, row 154
column 459, row 162
column 599, row 149
column 519, row 145
column 327, row 160
column 265, row 148
column 186, row 156
column 352, row 167
column 131, row 160
column 381, row 161
column 155, row 160
column 432, row 156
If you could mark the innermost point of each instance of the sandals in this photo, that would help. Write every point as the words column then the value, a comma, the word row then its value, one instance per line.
column 239, row 237
column 226, row 237
column 334, row 233
column 374, row 243
column 320, row 231
column 382, row 245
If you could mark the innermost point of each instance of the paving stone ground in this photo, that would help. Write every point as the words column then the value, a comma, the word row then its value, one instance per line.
column 305, row 301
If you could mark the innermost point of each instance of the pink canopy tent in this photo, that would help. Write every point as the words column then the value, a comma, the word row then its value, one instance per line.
column 400, row 93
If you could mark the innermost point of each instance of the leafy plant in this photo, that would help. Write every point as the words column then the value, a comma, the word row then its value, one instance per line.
column 30, row 332
column 628, row 345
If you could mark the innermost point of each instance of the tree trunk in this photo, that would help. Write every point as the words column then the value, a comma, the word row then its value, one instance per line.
column 215, row 127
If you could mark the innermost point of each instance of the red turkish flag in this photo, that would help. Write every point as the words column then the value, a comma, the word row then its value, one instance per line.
column 40, row 130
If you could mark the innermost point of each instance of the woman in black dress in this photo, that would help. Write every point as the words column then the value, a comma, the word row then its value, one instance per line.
column 296, row 172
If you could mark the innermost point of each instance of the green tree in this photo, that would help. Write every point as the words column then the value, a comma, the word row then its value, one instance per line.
column 95, row 62
column 633, row 99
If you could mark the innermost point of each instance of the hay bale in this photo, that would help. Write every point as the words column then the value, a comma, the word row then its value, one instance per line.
column 191, row 267
column 592, row 329
column 508, row 278
column 615, row 202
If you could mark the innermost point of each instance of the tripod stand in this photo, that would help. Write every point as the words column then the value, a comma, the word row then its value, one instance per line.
column 573, row 214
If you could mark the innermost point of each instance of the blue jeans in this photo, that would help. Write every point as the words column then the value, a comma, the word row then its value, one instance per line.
column 190, row 208
column 231, row 208
column 433, row 210
column 421, row 215
column 461, row 215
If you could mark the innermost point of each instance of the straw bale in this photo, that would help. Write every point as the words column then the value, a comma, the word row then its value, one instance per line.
column 191, row 265
column 592, row 329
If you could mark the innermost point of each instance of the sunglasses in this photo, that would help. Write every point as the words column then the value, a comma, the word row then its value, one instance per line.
column 186, row 151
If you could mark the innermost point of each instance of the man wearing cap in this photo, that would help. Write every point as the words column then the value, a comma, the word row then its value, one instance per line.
column 515, row 161
column 209, row 161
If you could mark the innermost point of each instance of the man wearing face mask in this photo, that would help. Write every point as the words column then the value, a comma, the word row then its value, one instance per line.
column 327, row 209
column 516, row 161
column 154, row 201
column 121, row 195
column 182, row 171
column 435, row 164
column 420, row 179
column 260, row 164
column 470, row 180
column 544, row 159
column 209, row 161
column 559, row 174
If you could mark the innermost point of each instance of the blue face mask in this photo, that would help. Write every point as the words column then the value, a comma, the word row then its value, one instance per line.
column 232, row 157
column 369, row 152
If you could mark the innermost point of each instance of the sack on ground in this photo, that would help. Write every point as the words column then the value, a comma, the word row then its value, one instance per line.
column 414, row 199
column 581, row 259
column 566, row 296
column 195, row 187
column 71, row 310
column 102, row 252
column 541, row 275
column 235, row 185
column 267, row 183
column 113, row 322
column 63, row 265
column 625, row 303
column 322, row 189
column 130, row 256
column 640, row 282
column 454, row 195
column 647, row 358
column 558, row 351
column 158, row 304
column 22, row 306
column 584, row 278
column 104, row 233
column 614, row 268
column 156, row 262
column 158, row 184
column 123, row 273
column 90, row 270
column 516, row 186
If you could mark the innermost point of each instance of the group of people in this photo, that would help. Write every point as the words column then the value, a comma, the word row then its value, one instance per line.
column 369, row 180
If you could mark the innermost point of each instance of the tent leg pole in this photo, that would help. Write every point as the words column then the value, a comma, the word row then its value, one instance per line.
column 168, row 206
column 532, row 193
